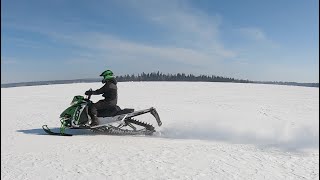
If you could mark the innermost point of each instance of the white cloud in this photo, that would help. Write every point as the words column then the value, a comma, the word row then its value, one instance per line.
column 186, row 26
column 253, row 33
column 106, row 45
column 9, row 60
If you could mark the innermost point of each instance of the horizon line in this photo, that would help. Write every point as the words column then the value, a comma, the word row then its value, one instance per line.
column 137, row 74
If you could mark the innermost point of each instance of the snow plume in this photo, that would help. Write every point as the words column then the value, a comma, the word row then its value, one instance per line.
column 264, row 115
column 297, row 139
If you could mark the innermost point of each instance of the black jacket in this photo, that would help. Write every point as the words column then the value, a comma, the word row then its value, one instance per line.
column 109, row 91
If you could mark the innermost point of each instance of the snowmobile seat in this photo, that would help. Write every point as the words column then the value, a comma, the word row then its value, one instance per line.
column 124, row 111
column 110, row 112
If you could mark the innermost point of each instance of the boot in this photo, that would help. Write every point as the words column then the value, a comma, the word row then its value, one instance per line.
column 94, row 121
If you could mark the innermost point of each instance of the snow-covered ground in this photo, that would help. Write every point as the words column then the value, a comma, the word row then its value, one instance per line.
column 210, row 131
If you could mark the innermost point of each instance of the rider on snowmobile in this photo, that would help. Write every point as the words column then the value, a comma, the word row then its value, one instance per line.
column 108, row 91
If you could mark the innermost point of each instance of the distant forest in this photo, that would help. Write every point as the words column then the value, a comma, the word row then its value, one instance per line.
column 158, row 76
column 177, row 77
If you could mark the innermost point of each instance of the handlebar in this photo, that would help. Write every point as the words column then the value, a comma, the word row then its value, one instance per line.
column 89, row 96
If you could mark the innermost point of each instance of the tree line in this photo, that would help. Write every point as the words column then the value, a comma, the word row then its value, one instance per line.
column 158, row 76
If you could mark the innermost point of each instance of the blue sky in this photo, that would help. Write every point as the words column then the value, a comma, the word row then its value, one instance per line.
column 275, row 40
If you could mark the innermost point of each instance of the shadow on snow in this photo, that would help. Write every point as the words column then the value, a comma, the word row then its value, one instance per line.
column 40, row 131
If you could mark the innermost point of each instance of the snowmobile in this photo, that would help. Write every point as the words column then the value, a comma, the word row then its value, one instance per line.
column 114, row 121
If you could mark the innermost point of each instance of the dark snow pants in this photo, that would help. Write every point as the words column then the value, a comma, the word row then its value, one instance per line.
column 102, row 104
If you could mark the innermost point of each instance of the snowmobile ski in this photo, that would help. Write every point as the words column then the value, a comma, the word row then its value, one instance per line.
column 47, row 130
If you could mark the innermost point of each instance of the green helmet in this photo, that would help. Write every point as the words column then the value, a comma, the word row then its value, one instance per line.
column 107, row 75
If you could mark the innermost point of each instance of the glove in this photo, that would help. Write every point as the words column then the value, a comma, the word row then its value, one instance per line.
column 88, row 93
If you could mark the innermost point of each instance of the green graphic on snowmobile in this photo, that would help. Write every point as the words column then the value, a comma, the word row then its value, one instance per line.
column 72, row 113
